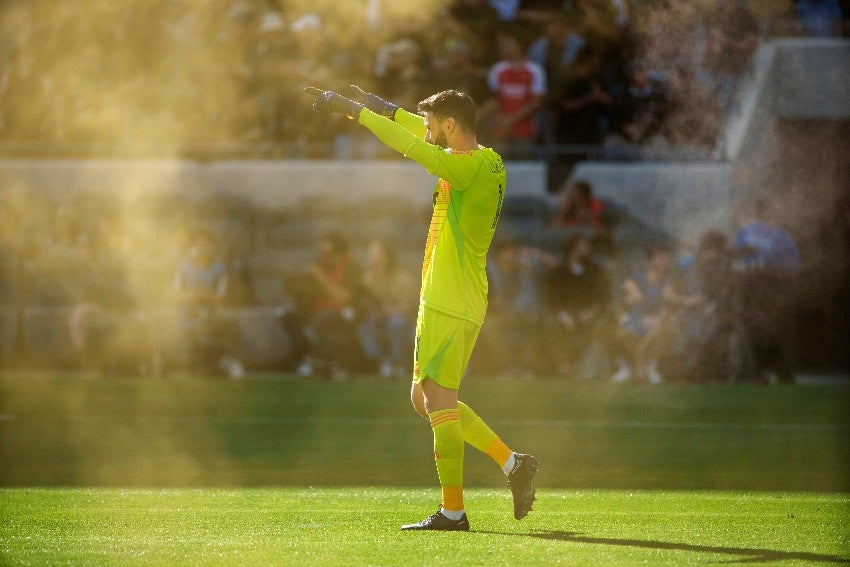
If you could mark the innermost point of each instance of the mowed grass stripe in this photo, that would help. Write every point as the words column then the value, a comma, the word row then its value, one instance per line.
column 544, row 423
column 182, row 432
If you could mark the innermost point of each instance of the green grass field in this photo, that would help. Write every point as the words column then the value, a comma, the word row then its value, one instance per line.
column 359, row 526
column 279, row 471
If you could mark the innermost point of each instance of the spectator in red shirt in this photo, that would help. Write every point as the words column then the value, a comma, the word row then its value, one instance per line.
column 519, row 85
column 579, row 208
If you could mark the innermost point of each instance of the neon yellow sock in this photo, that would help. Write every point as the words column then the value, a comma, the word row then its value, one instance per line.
column 479, row 435
column 448, row 453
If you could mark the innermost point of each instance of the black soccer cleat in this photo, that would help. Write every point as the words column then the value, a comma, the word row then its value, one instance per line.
column 521, row 483
column 438, row 521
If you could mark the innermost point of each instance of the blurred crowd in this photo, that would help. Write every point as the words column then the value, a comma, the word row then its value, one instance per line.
column 572, row 77
column 555, row 81
column 161, row 283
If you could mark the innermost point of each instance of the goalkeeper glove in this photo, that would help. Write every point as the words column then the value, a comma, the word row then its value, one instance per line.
column 375, row 103
column 334, row 103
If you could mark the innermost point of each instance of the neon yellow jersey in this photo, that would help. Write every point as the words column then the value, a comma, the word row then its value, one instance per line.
column 467, row 202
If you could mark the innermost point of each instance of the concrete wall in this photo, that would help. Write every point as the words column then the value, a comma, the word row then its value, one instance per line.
column 798, row 78
column 682, row 199
column 789, row 78
column 275, row 184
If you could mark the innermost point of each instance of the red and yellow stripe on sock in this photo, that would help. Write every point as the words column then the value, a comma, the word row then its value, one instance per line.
column 448, row 454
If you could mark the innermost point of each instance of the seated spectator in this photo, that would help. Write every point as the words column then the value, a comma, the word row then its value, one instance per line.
column 767, row 265
column 386, row 327
column 519, row 86
column 201, row 286
column 516, row 274
column 578, row 294
column 323, row 326
column 643, row 307
column 578, row 207
column 693, row 341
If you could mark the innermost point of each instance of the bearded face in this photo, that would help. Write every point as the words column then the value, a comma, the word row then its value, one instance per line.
column 435, row 133
column 440, row 139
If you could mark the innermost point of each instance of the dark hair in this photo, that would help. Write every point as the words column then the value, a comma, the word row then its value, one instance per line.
column 451, row 104
column 583, row 188
column 658, row 248
column 713, row 239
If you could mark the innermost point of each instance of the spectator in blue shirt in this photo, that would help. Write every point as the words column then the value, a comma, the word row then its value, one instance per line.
column 767, row 264
column 761, row 244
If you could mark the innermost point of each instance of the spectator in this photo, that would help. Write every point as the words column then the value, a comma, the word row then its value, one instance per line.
column 402, row 70
column 640, row 113
column 584, row 102
column 692, row 343
column 603, row 20
column 519, row 86
column 474, row 22
column 554, row 52
column 507, row 9
column 731, row 36
column 578, row 207
column 201, row 286
column 269, row 73
column 516, row 296
column 458, row 71
column 537, row 12
column 643, row 307
column 692, row 117
column 307, row 62
column 767, row 264
column 386, row 328
column 578, row 294
column 323, row 326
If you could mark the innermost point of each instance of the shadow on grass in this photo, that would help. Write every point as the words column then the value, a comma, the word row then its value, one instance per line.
column 750, row 555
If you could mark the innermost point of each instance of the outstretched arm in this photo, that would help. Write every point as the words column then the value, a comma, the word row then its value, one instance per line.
column 405, row 134
column 454, row 168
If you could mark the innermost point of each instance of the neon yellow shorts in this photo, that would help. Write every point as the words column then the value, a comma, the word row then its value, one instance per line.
column 443, row 347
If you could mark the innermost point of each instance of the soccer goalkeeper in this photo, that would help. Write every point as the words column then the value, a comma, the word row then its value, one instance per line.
column 453, row 298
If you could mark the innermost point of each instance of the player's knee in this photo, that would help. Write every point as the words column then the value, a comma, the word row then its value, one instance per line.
column 419, row 406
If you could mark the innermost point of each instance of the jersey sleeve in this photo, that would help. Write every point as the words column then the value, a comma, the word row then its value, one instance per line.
column 414, row 123
column 459, row 170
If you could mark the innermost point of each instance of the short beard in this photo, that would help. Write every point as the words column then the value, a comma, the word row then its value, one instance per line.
column 441, row 140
